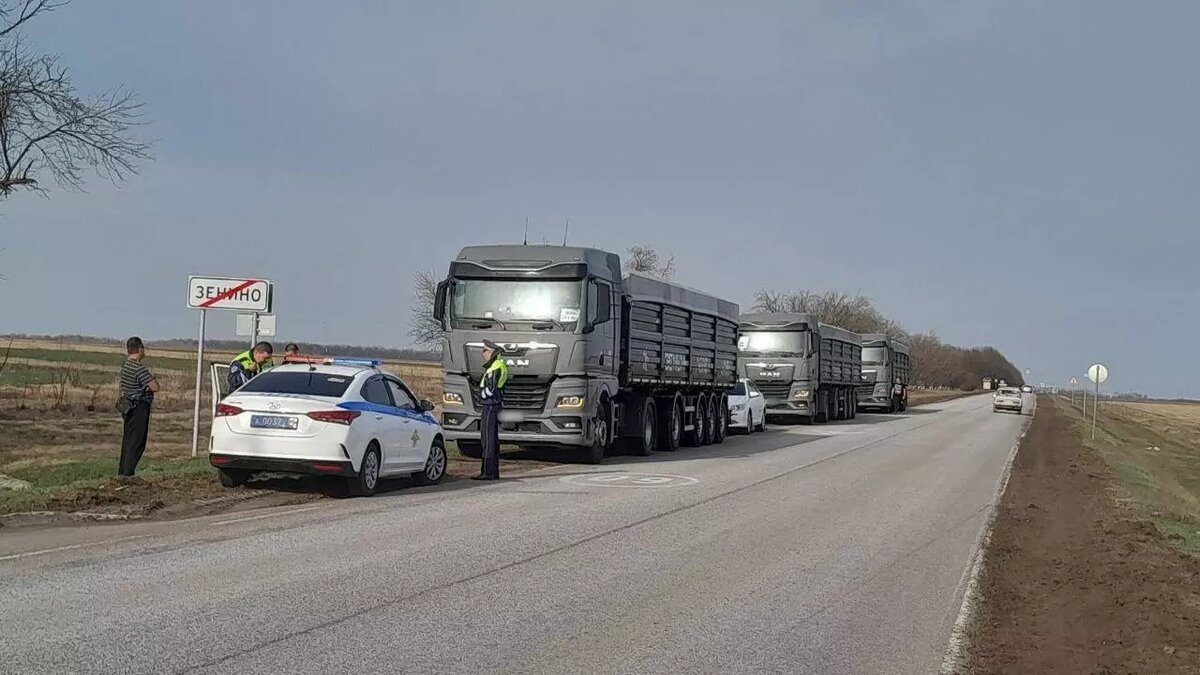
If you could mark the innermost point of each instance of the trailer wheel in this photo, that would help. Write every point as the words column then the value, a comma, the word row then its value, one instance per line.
column 670, row 426
column 643, row 445
column 720, row 419
column 710, row 421
column 695, row 437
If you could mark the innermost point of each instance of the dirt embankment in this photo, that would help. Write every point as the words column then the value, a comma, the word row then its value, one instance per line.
column 1072, row 581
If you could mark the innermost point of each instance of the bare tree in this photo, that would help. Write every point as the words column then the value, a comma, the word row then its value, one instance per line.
column 645, row 260
column 425, row 328
column 853, row 312
column 47, row 128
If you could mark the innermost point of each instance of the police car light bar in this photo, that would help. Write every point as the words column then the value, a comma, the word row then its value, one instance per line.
column 353, row 361
column 303, row 358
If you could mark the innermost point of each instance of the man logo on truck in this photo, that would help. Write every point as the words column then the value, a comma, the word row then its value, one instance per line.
column 517, row 362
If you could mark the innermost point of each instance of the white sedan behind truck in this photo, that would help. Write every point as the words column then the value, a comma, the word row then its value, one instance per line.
column 335, row 417
column 1007, row 398
column 747, row 407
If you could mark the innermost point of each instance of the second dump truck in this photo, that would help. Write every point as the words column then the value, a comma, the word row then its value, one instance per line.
column 806, row 370
column 596, row 358
column 886, row 372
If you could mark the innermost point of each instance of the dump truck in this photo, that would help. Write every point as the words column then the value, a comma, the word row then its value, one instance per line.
column 598, row 360
column 806, row 370
column 886, row 372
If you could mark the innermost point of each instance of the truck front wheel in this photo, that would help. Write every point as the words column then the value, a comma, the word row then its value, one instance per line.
column 471, row 449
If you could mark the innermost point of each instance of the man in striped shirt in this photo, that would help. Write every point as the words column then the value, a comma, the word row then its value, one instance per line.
column 137, row 388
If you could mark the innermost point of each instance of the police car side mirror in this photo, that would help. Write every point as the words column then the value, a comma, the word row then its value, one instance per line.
column 426, row 405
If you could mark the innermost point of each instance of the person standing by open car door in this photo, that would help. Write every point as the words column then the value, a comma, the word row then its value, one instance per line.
column 491, row 398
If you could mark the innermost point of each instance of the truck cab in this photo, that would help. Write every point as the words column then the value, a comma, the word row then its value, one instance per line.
column 805, row 369
column 552, row 309
column 886, row 372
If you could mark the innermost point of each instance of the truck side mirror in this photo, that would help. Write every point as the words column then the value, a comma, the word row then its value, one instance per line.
column 603, row 305
column 439, row 302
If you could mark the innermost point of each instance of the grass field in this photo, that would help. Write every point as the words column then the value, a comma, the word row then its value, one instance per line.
column 1154, row 450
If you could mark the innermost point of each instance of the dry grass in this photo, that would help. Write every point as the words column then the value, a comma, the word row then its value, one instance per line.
column 1154, row 451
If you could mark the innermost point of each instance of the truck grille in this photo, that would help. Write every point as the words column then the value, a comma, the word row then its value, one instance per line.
column 519, row 394
column 774, row 388
column 866, row 389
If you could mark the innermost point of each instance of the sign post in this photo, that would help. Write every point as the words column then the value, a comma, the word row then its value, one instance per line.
column 205, row 293
column 1098, row 374
column 199, row 369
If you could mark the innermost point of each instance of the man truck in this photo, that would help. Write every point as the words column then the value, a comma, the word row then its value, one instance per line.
column 805, row 369
column 886, row 372
column 596, row 358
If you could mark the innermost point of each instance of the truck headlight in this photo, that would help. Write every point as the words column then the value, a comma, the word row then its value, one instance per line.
column 452, row 398
column 574, row 401
column 800, row 394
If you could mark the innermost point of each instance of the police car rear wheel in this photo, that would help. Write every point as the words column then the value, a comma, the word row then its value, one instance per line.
column 367, row 480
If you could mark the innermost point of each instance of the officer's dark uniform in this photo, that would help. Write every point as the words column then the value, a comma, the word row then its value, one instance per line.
column 491, row 397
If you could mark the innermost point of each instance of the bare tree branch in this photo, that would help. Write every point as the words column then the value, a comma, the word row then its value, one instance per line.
column 645, row 260
column 47, row 127
column 424, row 328
column 12, row 17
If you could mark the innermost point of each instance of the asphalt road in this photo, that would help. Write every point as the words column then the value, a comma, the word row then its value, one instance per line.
column 833, row 549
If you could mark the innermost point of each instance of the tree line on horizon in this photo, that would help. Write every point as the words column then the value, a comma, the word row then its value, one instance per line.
column 936, row 363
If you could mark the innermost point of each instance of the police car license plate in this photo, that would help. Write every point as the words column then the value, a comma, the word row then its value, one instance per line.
column 273, row 422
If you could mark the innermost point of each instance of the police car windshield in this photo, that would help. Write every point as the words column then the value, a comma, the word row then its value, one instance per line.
column 506, row 300
column 739, row 389
column 297, row 382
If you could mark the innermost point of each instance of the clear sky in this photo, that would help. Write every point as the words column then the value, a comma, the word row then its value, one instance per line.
column 1013, row 173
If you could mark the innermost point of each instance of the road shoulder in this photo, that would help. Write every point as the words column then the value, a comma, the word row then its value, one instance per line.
column 1071, row 580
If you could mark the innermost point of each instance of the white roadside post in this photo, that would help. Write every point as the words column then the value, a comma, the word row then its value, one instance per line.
column 1098, row 374
column 205, row 293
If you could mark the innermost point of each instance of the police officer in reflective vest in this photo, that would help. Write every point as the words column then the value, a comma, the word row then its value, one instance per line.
column 491, row 398
column 248, row 364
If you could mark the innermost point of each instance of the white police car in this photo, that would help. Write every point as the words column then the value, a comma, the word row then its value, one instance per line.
column 330, row 416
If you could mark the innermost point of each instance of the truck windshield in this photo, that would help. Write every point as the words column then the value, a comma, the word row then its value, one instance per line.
column 517, row 300
column 784, row 344
column 874, row 355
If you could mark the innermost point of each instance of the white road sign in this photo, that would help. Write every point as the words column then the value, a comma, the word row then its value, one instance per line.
column 246, row 295
column 1074, row 381
column 1098, row 373
column 245, row 325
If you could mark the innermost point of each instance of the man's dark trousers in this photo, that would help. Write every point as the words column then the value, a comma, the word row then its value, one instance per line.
column 133, row 443
column 490, row 429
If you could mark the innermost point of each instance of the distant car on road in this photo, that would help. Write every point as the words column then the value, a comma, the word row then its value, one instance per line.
column 747, row 407
column 328, row 416
column 1007, row 398
column 1027, row 389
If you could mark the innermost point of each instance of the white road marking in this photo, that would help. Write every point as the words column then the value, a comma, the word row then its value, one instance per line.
column 29, row 554
column 629, row 480
column 956, row 647
column 265, row 515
